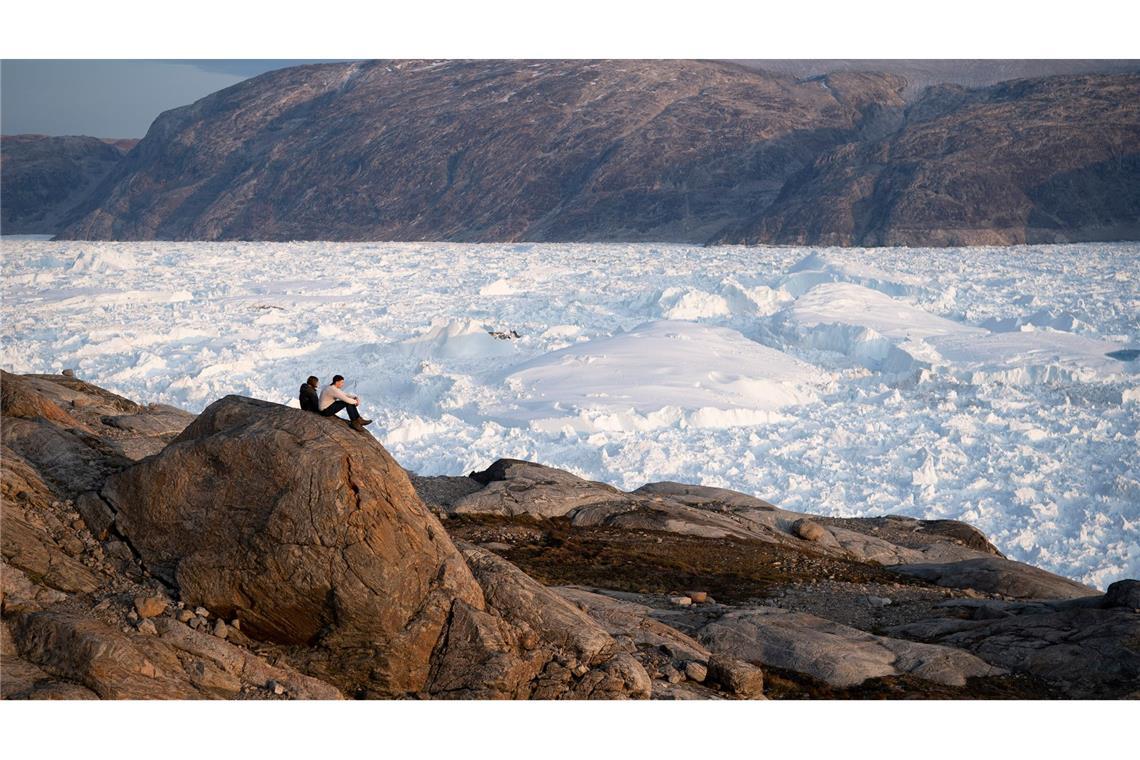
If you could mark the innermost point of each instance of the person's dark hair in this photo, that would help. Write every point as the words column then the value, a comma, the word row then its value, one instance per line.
column 337, row 378
column 313, row 381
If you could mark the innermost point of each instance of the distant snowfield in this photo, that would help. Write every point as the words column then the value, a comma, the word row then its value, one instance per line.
column 971, row 384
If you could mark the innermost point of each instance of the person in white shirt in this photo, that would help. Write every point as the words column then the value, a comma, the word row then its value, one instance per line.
column 333, row 399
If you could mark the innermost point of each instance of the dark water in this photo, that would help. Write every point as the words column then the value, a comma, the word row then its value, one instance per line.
column 1124, row 355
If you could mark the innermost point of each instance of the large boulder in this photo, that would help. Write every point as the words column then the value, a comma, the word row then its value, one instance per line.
column 305, row 530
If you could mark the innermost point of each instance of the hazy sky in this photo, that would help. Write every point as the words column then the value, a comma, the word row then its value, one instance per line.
column 109, row 98
column 104, row 98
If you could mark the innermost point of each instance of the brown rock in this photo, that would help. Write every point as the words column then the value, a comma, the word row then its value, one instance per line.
column 309, row 533
column 520, row 599
column 151, row 606
column 479, row 658
column 529, row 642
column 34, row 551
column 89, row 652
column 832, row 652
column 736, row 676
column 18, row 398
column 238, row 662
column 808, row 530
column 516, row 487
column 1084, row 650
column 206, row 675
column 96, row 514
column 695, row 671
column 998, row 575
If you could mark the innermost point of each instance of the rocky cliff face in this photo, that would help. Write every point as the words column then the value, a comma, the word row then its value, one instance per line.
column 629, row 150
column 1041, row 161
column 570, row 150
column 262, row 552
column 43, row 178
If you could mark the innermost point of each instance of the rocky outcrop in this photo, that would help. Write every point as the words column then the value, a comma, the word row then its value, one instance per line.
column 998, row 575
column 308, row 532
column 835, row 653
column 1086, row 646
column 71, row 432
column 268, row 553
column 312, row 537
column 684, row 151
column 45, row 177
column 513, row 487
column 529, row 643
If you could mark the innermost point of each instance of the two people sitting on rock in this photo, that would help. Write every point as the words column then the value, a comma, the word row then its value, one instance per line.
column 332, row 400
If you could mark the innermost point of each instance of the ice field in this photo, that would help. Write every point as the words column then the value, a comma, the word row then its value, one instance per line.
column 994, row 385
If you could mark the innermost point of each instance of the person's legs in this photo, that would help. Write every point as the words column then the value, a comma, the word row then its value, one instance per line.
column 336, row 406
column 333, row 408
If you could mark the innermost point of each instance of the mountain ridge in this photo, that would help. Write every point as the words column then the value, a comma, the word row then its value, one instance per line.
column 632, row 151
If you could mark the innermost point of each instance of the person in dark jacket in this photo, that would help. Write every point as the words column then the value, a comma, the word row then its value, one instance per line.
column 310, row 401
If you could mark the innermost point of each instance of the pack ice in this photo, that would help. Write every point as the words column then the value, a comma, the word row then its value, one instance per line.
column 994, row 385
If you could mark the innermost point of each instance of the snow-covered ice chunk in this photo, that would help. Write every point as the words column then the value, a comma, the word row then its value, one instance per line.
column 458, row 339
column 691, row 303
column 877, row 331
column 710, row 376
column 847, row 304
column 1024, row 358
column 820, row 267
column 1057, row 320
column 745, row 297
column 101, row 260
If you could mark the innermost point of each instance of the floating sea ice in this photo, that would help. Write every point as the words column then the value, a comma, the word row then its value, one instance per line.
column 101, row 260
column 925, row 474
column 500, row 287
column 661, row 373
column 691, row 303
column 1024, row 358
column 1057, row 320
column 820, row 267
column 877, row 331
column 459, row 339
column 752, row 299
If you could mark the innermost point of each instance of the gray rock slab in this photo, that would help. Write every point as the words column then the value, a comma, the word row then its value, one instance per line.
column 834, row 653
column 996, row 575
